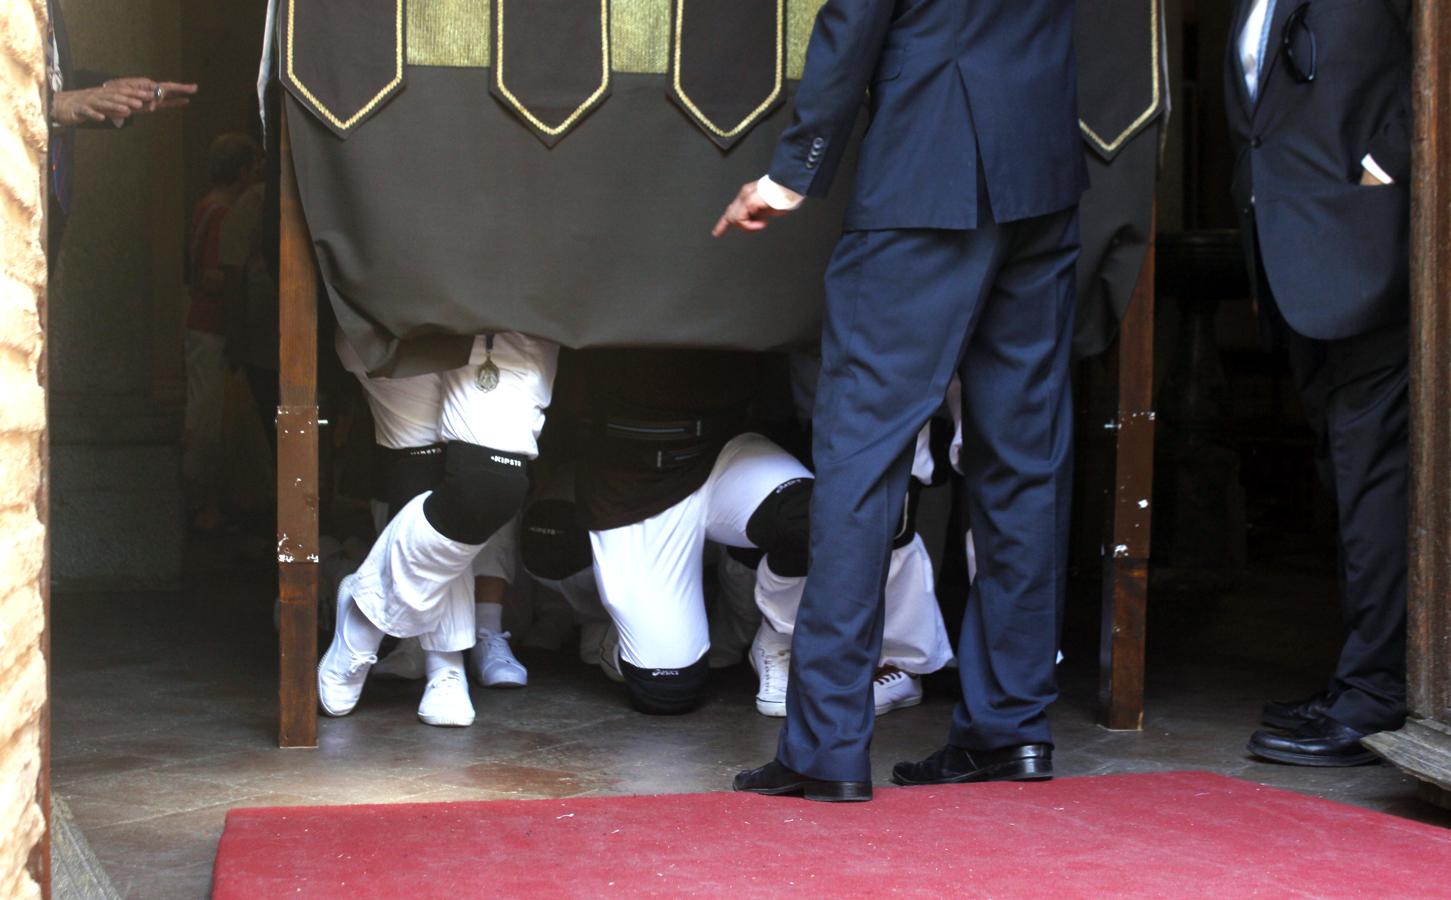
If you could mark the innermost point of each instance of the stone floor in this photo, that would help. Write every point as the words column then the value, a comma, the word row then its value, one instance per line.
column 165, row 706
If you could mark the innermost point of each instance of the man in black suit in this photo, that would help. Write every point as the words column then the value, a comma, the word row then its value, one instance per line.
column 1319, row 110
column 958, row 258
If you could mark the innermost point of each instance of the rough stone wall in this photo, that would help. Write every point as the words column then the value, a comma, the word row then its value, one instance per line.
column 22, row 439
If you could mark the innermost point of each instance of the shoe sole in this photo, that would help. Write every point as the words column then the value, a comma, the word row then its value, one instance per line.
column 1017, row 770
column 817, row 791
column 442, row 723
column 775, row 709
column 904, row 703
column 1311, row 759
column 505, row 685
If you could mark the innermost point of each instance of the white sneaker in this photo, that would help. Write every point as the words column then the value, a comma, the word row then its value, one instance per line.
column 342, row 670
column 446, row 701
column 591, row 636
column 405, row 663
column 610, row 655
column 894, row 689
column 771, row 658
column 492, row 663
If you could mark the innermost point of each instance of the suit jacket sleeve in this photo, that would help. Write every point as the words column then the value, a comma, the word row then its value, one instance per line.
column 845, row 45
column 1391, row 146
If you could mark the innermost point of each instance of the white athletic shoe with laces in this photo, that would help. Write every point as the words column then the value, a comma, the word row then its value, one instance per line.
column 342, row 670
column 771, row 658
column 492, row 663
column 894, row 689
column 405, row 663
column 446, row 701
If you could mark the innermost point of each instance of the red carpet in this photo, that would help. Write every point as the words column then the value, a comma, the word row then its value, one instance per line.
column 1165, row 835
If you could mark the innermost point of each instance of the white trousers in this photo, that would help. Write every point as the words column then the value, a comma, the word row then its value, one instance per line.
column 415, row 582
column 914, row 637
column 650, row 573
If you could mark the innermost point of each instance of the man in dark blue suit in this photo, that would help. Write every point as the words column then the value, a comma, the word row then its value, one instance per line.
column 958, row 258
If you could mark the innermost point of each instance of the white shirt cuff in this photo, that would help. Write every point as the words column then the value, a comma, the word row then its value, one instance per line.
column 776, row 196
column 1370, row 166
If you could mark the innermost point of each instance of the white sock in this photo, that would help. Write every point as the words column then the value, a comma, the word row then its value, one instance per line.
column 359, row 634
column 489, row 617
column 435, row 661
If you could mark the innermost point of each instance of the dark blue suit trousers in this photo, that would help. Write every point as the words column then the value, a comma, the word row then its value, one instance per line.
column 905, row 311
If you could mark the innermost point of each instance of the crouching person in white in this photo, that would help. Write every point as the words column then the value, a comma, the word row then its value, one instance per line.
column 914, row 637
column 757, row 496
column 417, row 581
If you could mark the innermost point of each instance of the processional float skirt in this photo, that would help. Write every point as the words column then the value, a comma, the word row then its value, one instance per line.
column 511, row 181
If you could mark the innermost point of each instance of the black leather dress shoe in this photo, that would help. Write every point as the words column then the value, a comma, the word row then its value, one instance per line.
column 1320, row 742
column 775, row 779
column 1291, row 714
column 954, row 765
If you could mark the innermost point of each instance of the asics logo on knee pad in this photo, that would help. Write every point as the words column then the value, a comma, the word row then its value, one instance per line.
column 665, row 673
column 788, row 485
column 481, row 489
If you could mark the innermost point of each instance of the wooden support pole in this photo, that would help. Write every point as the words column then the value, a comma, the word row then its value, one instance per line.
column 1430, row 553
column 1126, row 549
column 297, row 468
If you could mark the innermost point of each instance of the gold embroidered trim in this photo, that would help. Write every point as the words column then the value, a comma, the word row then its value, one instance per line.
column 766, row 104
column 445, row 33
column 322, row 109
column 1156, row 94
column 604, row 85
column 450, row 33
column 800, row 22
column 640, row 36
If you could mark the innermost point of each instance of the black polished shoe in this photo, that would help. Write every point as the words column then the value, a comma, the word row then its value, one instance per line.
column 954, row 765
column 1320, row 742
column 775, row 779
column 1291, row 714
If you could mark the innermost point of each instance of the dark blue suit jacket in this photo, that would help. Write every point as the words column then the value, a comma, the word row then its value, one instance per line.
column 1336, row 254
column 954, row 84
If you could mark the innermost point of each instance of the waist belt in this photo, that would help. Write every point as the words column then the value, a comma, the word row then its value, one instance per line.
column 663, row 445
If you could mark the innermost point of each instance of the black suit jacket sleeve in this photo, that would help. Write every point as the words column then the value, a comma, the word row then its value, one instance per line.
column 845, row 45
column 1391, row 146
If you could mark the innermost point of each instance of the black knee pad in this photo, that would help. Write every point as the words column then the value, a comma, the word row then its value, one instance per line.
column 552, row 543
column 781, row 526
column 666, row 692
column 907, row 522
column 482, row 489
column 405, row 473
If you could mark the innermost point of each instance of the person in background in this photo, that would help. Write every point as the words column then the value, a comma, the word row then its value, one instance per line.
column 233, row 166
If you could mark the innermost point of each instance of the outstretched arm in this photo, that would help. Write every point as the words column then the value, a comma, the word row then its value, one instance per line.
column 846, row 43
